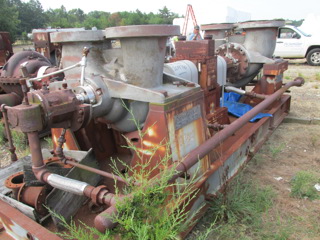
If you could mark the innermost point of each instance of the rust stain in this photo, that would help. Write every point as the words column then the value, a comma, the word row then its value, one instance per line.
column 6, row 221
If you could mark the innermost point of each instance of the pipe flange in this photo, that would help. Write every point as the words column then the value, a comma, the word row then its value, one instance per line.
column 34, row 196
column 97, row 194
column 15, row 182
column 237, row 58
column 55, row 162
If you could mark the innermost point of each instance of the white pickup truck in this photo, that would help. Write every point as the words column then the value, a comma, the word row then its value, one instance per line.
column 294, row 43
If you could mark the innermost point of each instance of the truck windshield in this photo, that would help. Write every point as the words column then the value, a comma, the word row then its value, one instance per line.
column 303, row 33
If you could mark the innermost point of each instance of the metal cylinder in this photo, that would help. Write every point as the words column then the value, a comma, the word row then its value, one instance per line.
column 183, row 69
column 221, row 71
column 67, row 184
column 143, row 50
column 35, row 149
column 10, row 99
column 15, row 182
column 236, row 90
column 104, row 221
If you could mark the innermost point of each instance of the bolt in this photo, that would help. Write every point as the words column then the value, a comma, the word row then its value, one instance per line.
column 99, row 92
column 64, row 85
column 79, row 120
column 81, row 112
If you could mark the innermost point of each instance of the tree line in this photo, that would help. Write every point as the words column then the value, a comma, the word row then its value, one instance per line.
column 19, row 17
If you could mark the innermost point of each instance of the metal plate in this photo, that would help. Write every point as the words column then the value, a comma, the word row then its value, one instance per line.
column 187, row 117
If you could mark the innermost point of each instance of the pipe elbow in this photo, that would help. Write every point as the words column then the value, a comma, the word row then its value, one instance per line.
column 41, row 173
column 104, row 220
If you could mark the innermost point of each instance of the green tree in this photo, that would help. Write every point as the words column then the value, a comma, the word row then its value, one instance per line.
column 114, row 19
column 58, row 18
column 133, row 18
column 31, row 15
column 9, row 20
column 167, row 16
column 154, row 18
column 76, row 17
column 98, row 19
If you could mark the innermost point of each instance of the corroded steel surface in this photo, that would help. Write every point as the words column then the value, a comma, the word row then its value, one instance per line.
column 71, row 142
column 44, row 45
column 15, row 182
column 18, row 226
column 34, row 196
column 237, row 60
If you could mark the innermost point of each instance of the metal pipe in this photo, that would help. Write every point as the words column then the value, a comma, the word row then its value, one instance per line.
column 60, row 182
column 205, row 148
column 97, row 171
column 243, row 92
column 99, row 194
column 67, row 184
column 56, row 72
column 10, row 99
column 217, row 126
column 12, row 149
column 59, row 153
column 103, row 221
column 83, row 67
column 35, row 150
column 85, row 52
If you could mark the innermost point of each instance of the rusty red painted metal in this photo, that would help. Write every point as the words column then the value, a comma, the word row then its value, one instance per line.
column 18, row 226
column 34, row 196
column 42, row 44
column 15, row 182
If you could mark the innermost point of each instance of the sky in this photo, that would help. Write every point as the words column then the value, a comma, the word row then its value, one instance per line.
column 203, row 9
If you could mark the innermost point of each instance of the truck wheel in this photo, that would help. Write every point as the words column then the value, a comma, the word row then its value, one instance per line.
column 313, row 57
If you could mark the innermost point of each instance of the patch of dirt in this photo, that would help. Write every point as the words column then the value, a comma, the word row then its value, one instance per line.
column 22, row 47
column 300, row 152
column 305, row 100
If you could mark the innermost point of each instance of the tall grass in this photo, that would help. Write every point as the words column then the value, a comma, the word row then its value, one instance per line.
column 238, row 213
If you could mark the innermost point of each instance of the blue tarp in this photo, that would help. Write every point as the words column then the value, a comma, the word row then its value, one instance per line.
column 239, row 109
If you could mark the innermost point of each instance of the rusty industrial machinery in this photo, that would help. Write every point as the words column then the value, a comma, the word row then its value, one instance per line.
column 43, row 45
column 5, row 48
column 115, row 75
